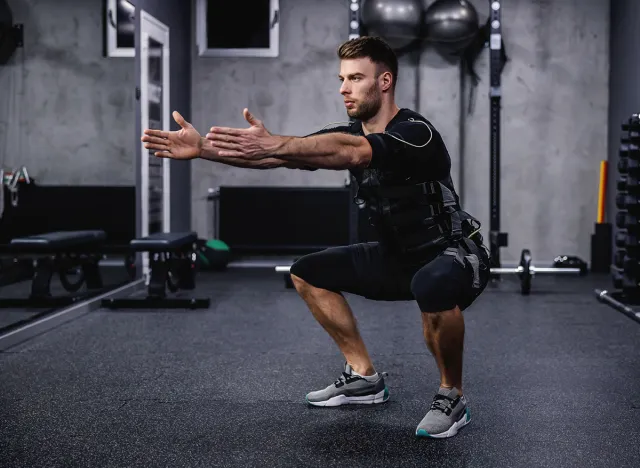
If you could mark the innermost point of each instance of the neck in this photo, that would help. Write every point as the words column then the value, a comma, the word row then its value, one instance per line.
column 379, row 122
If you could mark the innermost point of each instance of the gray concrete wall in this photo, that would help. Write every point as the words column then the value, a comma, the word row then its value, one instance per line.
column 554, row 122
column 554, row 119
column 66, row 111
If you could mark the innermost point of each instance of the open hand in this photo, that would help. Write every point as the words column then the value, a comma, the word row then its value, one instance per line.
column 254, row 142
column 180, row 144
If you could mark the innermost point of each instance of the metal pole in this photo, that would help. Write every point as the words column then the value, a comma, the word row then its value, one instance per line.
column 497, row 239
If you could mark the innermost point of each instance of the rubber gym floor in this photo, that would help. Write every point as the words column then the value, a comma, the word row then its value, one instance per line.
column 553, row 380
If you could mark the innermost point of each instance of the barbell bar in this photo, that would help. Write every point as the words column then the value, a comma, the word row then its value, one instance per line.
column 525, row 270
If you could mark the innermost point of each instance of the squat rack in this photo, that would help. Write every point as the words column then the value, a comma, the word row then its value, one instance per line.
column 497, row 239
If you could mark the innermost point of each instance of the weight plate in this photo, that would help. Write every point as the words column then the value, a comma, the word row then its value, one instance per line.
column 525, row 276
column 66, row 279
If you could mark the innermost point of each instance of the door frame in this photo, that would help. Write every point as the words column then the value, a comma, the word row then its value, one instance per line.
column 152, row 28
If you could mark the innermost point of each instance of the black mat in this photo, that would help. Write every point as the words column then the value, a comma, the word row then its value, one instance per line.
column 553, row 380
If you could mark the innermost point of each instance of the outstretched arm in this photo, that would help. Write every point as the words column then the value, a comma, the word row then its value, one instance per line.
column 325, row 151
column 210, row 152
column 187, row 143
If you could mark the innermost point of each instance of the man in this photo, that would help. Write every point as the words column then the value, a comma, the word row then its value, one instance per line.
column 429, row 249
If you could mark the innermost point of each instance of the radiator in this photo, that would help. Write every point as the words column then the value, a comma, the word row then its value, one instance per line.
column 284, row 220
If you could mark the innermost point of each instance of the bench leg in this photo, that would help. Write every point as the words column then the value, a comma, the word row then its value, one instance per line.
column 182, row 265
column 186, row 271
column 159, row 272
column 91, row 272
column 41, row 282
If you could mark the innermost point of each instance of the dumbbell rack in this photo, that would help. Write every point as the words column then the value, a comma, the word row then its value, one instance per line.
column 625, row 271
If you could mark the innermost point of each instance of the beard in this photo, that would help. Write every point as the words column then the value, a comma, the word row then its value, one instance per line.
column 369, row 106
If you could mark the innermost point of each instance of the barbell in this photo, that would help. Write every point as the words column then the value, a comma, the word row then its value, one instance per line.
column 525, row 271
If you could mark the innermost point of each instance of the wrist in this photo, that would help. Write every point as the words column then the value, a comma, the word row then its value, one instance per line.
column 201, row 143
column 281, row 146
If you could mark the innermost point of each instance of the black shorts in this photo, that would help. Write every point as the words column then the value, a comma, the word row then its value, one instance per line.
column 439, row 282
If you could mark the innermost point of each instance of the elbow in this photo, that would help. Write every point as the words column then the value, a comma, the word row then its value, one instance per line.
column 361, row 154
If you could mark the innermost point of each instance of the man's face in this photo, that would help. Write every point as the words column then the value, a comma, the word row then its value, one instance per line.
column 360, row 88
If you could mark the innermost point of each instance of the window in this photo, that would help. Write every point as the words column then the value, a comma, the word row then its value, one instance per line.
column 120, row 28
column 248, row 28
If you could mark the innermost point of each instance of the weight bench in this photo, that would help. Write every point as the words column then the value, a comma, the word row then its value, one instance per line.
column 58, row 252
column 172, row 264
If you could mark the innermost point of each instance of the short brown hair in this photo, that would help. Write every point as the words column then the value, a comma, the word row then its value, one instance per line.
column 375, row 48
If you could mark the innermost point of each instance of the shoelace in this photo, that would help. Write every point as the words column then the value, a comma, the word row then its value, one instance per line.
column 348, row 378
column 443, row 404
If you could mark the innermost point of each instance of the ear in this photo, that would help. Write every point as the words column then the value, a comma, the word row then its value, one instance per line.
column 386, row 81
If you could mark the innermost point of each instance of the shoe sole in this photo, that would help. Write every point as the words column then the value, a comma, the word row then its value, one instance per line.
column 453, row 430
column 340, row 400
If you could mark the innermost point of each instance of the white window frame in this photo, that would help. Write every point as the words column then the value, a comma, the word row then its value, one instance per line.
column 111, row 32
column 274, row 34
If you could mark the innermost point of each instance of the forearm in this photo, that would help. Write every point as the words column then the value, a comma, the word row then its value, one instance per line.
column 210, row 152
column 326, row 151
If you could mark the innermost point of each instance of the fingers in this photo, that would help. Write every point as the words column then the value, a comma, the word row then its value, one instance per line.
column 157, row 147
column 250, row 118
column 156, row 133
column 228, row 131
column 163, row 154
column 221, row 137
column 180, row 120
column 157, row 140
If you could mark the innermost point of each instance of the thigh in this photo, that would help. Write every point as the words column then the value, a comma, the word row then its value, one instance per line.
column 363, row 269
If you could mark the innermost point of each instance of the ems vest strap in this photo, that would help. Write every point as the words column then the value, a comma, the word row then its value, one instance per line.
column 426, row 245
column 474, row 261
column 401, row 191
column 448, row 198
column 457, row 252
column 425, row 216
column 423, row 236
column 471, row 259
column 456, row 225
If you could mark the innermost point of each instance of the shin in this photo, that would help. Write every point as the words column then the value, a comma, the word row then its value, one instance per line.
column 332, row 311
column 444, row 335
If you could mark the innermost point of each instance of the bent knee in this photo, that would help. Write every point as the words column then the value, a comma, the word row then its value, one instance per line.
column 300, row 272
column 436, row 289
column 304, row 274
column 299, row 283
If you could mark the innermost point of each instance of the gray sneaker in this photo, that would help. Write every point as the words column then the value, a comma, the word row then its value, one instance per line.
column 351, row 389
column 447, row 415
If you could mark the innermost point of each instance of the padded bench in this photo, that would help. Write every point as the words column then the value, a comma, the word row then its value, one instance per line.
column 58, row 252
column 172, row 266
column 165, row 241
column 59, row 241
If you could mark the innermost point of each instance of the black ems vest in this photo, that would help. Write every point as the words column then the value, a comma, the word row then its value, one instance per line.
column 413, row 218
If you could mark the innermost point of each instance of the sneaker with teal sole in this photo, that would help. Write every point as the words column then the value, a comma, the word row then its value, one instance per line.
column 351, row 389
column 447, row 415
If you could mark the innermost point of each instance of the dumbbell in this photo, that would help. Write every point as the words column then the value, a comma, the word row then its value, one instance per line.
column 627, row 221
column 628, row 183
column 632, row 124
column 627, row 240
column 627, row 165
column 624, row 281
column 627, row 201
column 627, row 264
